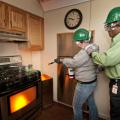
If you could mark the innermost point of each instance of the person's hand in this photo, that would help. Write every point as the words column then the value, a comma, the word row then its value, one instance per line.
column 100, row 69
column 92, row 48
column 57, row 60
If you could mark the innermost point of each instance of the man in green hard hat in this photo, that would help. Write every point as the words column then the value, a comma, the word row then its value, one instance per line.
column 111, row 61
column 85, row 74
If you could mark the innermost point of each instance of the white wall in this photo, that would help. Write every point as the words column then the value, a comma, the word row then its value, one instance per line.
column 55, row 4
column 54, row 23
column 10, row 48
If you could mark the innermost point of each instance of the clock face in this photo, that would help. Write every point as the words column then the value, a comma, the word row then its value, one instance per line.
column 73, row 18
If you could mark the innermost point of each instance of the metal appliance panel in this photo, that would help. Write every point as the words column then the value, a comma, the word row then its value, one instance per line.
column 66, row 86
column 9, row 36
column 65, row 48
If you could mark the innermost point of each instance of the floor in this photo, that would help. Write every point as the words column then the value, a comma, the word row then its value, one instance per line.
column 57, row 112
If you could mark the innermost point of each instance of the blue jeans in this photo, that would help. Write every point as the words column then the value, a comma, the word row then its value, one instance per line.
column 83, row 93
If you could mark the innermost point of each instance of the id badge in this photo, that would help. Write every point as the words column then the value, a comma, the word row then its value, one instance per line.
column 114, row 89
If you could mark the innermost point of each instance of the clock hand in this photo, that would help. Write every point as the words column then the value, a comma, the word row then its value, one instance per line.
column 71, row 18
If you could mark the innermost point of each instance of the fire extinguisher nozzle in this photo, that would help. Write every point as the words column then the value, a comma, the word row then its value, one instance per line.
column 51, row 63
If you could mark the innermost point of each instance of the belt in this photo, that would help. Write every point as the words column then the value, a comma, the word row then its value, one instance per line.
column 88, row 82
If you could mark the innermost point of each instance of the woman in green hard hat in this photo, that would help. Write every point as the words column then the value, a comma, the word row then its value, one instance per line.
column 85, row 74
column 111, row 61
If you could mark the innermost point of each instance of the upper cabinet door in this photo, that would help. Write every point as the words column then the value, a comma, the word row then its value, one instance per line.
column 17, row 19
column 3, row 16
column 36, row 32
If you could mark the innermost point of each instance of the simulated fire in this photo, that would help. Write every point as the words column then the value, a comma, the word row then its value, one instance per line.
column 22, row 99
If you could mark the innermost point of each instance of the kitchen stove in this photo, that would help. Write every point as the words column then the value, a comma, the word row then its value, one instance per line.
column 13, row 75
column 20, row 90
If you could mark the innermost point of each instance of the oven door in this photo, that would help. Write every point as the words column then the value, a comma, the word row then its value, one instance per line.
column 21, row 104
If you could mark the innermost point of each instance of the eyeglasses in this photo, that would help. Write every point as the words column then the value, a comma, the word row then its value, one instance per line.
column 109, row 27
column 81, row 41
column 78, row 42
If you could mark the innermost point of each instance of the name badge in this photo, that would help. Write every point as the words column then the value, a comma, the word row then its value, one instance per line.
column 114, row 89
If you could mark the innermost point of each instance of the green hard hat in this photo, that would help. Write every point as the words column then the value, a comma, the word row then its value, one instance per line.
column 81, row 35
column 113, row 16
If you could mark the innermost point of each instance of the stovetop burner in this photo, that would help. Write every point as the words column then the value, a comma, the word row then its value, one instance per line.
column 10, row 71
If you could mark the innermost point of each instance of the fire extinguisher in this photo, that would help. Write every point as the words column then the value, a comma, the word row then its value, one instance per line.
column 71, row 73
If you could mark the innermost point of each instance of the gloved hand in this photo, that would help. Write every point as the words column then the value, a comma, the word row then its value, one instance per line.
column 57, row 60
column 92, row 48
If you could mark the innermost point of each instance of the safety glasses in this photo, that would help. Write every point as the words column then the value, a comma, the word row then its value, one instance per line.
column 109, row 27
column 77, row 42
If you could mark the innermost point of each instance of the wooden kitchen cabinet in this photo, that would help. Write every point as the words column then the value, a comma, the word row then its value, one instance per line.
column 17, row 19
column 3, row 17
column 12, row 19
column 36, row 32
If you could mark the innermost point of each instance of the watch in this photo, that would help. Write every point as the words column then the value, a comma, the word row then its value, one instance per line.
column 73, row 18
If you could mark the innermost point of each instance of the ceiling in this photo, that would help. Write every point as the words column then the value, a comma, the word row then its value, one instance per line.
column 55, row 4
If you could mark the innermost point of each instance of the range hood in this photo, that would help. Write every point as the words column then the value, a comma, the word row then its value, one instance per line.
column 8, row 36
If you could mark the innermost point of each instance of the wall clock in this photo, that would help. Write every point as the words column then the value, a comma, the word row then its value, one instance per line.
column 73, row 18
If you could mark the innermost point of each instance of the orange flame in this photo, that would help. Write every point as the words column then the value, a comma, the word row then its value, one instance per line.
column 22, row 99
